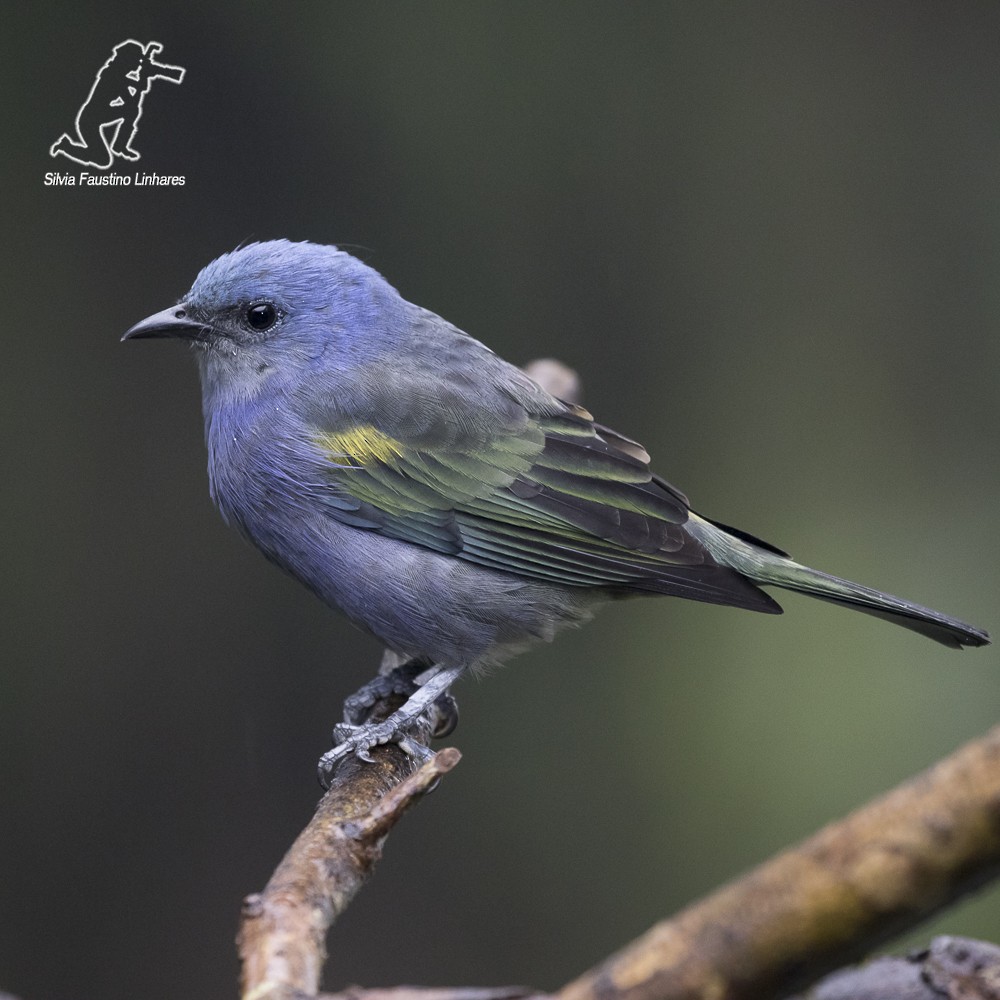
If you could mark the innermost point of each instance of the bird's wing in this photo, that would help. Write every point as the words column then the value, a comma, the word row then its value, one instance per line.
column 548, row 495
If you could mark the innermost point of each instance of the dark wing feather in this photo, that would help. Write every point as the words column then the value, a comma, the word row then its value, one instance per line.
column 558, row 499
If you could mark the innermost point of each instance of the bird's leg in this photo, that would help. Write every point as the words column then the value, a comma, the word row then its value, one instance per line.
column 358, row 739
column 397, row 678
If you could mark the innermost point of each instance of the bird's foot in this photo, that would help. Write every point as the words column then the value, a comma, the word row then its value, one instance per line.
column 400, row 682
column 396, row 683
column 360, row 740
column 429, row 705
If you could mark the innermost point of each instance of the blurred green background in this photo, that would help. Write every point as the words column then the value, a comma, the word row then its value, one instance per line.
column 767, row 235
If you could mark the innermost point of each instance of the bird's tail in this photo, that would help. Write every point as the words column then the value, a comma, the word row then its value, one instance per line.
column 765, row 565
column 793, row 576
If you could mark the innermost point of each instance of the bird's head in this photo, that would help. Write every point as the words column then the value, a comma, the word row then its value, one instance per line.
column 280, row 310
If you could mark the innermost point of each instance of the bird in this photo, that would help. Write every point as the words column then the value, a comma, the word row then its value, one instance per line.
column 433, row 492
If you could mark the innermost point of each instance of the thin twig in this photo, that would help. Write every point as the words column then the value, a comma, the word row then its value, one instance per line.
column 283, row 929
column 827, row 901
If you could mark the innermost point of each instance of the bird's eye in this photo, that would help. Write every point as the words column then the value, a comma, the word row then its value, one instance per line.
column 262, row 316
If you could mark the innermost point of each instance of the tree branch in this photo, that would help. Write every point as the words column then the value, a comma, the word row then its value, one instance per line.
column 952, row 968
column 283, row 929
column 827, row 901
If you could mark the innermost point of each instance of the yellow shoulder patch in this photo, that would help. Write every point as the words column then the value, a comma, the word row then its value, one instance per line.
column 361, row 445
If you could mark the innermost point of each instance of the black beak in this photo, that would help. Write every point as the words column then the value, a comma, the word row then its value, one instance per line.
column 172, row 322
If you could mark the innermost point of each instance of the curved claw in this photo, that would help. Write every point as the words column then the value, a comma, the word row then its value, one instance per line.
column 446, row 708
column 332, row 759
column 417, row 751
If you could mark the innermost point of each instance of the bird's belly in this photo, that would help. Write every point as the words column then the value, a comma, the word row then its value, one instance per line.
column 416, row 601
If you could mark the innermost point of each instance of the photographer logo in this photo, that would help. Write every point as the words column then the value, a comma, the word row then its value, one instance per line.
column 107, row 123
